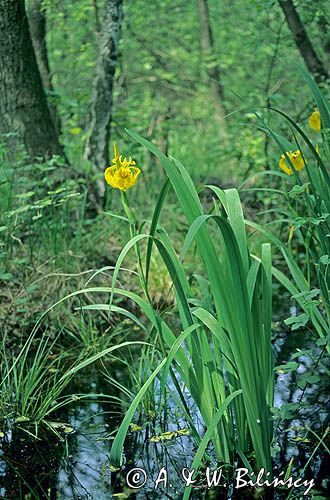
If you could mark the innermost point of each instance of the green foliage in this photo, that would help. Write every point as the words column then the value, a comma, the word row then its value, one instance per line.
column 207, row 310
column 217, row 336
column 34, row 382
column 308, row 213
column 162, row 84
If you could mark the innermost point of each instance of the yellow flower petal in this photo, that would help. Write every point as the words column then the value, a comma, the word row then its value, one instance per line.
column 314, row 121
column 110, row 176
column 282, row 164
column 295, row 158
column 122, row 174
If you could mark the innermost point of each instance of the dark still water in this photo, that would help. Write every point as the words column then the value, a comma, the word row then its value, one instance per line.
column 76, row 465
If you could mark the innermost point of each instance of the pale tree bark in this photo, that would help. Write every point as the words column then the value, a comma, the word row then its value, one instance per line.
column 37, row 23
column 212, row 65
column 97, row 144
column 304, row 45
column 23, row 105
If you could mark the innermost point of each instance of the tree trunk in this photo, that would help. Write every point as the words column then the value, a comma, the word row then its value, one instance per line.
column 23, row 105
column 97, row 17
column 213, row 69
column 97, row 144
column 300, row 36
column 37, row 23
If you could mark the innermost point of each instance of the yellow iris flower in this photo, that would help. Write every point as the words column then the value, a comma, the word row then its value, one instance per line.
column 123, row 173
column 314, row 121
column 296, row 160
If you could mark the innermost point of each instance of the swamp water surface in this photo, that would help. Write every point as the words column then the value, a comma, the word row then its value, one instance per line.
column 77, row 467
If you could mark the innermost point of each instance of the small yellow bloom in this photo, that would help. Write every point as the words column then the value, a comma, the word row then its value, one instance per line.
column 296, row 160
column 314, row 121
column 123, row 173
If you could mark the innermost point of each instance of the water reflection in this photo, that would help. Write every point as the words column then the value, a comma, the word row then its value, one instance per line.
column 86, row 471
column 29, row 466
column 78, row 467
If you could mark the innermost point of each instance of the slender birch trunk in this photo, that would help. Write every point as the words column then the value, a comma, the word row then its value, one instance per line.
column 97, row 144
